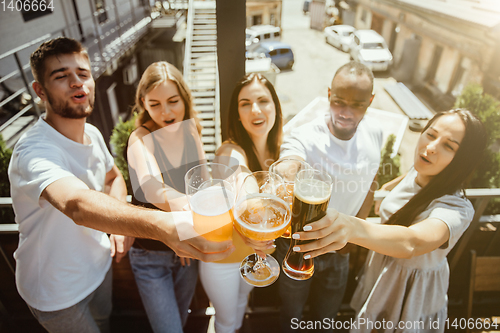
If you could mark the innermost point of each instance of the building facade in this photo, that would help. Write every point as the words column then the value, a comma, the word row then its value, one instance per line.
column 122, row 38
column 438, row 46
column 263, row 12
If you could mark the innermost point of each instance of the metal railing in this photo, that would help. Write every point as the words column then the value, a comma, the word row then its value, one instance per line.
column 109, row 41
column 480, row 198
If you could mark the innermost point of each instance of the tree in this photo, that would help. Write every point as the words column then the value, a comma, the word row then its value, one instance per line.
column 6, row 214
column 487, row 109
column 119, row 140
column 389, row 166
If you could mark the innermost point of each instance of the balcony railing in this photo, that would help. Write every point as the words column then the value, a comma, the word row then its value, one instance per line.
column 106, row 44
column 479, row 197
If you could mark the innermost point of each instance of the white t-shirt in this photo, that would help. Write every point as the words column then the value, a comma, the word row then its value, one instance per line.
column 59, row 263
column 352, row 164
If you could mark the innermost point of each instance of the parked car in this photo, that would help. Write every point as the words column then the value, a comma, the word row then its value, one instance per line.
column 339, row 36
column 262, row 33
column 369, row 48
column 281, row 54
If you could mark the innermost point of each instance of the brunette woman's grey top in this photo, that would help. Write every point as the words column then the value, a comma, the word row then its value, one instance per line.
column 410, row 295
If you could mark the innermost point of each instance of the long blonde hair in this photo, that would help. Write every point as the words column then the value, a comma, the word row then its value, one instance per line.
column 153, row 76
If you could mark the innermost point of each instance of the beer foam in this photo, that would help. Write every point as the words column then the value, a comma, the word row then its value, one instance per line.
column 312, row 191
column 261, row 207
column 212, row 201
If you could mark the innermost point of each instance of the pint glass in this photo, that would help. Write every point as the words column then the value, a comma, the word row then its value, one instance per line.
column 310, row 201
column 262, row 216
column 287, row 168
column 211, row 196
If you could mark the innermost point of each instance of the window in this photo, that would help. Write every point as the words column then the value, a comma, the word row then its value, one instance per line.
column 436, row 57
column 260, row 50
column 34, row 14
column 284, row 51
column 277, row 34
column 273, row 53
column 363, row 15
column 267, row 36
column 373, row 46
column 257, row 20
column 100, row 8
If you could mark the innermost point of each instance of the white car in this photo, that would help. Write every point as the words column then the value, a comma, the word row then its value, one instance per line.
column 370, row 49
column 262, row 33
column 339, row 36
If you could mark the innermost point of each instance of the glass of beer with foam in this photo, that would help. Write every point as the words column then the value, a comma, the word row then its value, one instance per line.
column 310, row 201
column 287, row 168
column 261, row 215
column 211, row 196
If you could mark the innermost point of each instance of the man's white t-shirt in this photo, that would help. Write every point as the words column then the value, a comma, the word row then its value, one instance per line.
column 58, row 263
column 352, row 164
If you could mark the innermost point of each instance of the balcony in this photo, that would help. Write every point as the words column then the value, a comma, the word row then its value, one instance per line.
column 263, row 309
column 109, row 34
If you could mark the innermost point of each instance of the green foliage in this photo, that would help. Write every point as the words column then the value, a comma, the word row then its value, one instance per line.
column 486, row 108
column 119, row 139
column 6, row 214
column 5, row 154
column 389, row 167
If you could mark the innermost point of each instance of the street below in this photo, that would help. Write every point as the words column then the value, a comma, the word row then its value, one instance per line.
column 315, row 64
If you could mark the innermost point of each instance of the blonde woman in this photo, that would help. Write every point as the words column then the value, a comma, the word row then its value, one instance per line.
column 160, row 151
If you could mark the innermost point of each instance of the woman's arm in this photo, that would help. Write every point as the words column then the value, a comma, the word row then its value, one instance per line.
column 149, row 177
column 234, row 156
column 336, row 229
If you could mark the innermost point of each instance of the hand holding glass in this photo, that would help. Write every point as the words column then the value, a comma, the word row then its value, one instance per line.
column 262, row 216
column 287, row 168
column 312, row 193
column 211, row 196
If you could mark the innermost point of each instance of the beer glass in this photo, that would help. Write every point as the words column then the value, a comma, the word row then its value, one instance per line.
column 211, row 196
column 310, row 201
column 262, row 216
column 287, row 168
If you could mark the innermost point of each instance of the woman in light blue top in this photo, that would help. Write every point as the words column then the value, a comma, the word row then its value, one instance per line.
column 404, row 282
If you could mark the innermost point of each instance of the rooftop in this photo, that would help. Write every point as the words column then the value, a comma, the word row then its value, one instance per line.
column 481, row 12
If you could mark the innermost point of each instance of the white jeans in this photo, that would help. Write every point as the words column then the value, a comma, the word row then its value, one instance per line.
column 228, row 293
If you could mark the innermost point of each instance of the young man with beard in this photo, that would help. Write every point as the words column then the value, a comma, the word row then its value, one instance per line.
column 67, row 194
column 347, row 146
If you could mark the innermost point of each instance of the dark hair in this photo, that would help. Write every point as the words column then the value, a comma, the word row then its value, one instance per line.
column 54, row 47
column 356, row 68
column 153, row 76
column 454, row 176
column 238, row 134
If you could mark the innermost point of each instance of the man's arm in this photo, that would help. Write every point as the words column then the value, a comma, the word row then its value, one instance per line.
column 115, row 186
column 100, row 211
column 364, row 211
